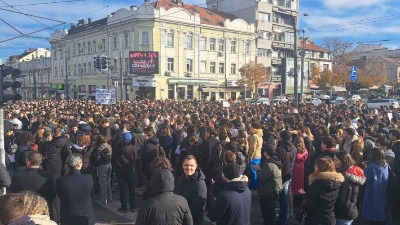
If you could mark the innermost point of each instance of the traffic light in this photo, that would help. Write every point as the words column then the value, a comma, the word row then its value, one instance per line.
column 97, row 62
column 5, row 94
column 104, row 63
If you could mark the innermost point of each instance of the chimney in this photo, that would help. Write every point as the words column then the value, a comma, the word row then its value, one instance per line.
column 83, row 21
column 72, row 25
column 90, row 20
column 179, row 2
column 133, row 7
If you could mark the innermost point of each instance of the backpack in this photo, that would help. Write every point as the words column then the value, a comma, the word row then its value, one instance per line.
column 12, row 147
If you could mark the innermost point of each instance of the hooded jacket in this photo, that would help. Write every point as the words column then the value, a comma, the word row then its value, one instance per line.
column 164, row 207
column 124, row 158
column 102, row 154
column 286, row 153
column 194, row 190
column 150, row 152
column 346, row 205
column 354, row 148
column 321, row 198
column 233, row 205
column 270, row 178
column 255, row 144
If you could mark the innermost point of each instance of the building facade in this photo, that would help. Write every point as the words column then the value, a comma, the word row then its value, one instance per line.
column 275, row 22
column 199, row 52
column 35, row 66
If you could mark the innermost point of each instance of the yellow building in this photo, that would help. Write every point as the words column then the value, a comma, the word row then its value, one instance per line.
column 199, row 52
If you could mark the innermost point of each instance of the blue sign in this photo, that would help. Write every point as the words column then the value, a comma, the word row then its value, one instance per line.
column 353, row 73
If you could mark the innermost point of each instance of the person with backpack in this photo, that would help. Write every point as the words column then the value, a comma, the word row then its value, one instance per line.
column 286, row 153
column 102, row 159
column 254, row 153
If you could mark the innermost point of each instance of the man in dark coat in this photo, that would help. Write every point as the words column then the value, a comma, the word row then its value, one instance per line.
column 124, row 158
column 74, row 191
column 5, row 179
column 234, row 201
column 62, row 144
column 33, row 178
column 150, row 151
column 164, row 207
column 192, row 186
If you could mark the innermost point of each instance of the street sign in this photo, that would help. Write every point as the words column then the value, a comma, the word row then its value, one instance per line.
column 59, row 87
column 353, row 73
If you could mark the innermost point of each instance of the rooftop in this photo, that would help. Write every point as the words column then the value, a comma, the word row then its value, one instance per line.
column 310, row 46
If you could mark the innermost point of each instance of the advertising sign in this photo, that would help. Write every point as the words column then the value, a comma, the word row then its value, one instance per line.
column 143, row 82
column 105, row 97
column 143, row 62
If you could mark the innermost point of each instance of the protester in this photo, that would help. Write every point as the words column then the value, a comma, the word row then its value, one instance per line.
column 270, row 178
column 163, row 206
column 192, row 187
column 254, row 153
column 74, row 192
column 102, row 158
column 375, row 198
column 25, row 208
column 233, row 205
column 298, row 179
column 321, row 197
column 346, row 206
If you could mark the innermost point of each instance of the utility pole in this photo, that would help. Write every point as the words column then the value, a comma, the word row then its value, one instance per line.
column 296, row 77
column 121, row 76
column 302, row 69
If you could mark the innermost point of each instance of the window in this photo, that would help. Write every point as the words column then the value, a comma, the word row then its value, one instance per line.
column 189, row 65
column 247, row 48
column 126, row 40
column 115, row 64
column 203, row 67
column 289, row 37
column 264, row 16
column 115, row 42
column 103, row 44
column 189, row 42
column 203, row 43
column 127, row 65
column 170, row 64
column 233, row 46
column 145, row 38
column 90, row 67
column 263, row 52
column 94, row 46
column 73, row 50
column 221, row 45
column 326, row 66
column 170, row 40
column 212, row 44
column 212, row 67
column 84, row 68
column 75, row 70
column 84, row 48
column 233, row 68
column 79, row 49
column 221, row 68
column 55, row 72
column 88, row 47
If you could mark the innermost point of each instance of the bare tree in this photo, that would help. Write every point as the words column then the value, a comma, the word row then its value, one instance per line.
column 340, row 50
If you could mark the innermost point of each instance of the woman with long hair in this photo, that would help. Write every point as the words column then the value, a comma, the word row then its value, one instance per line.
column 376, row 197
column 85, row 148
column 166, row 140
column 298, row 170
column 323, row 192
column 346, row 206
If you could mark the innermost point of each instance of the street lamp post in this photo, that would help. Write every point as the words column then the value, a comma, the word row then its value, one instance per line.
column 302, row 69
column 296, row 78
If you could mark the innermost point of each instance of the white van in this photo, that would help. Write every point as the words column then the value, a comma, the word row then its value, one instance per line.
column 319, row 94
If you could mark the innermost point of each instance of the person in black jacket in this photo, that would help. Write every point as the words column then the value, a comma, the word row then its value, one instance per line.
column 323, row 192
column 163, row 206
column 150, row 151
column 124, row 158
column 74, row 191
column 192, row 186
column 234, row 201
column 34, row 179
column 346, row 205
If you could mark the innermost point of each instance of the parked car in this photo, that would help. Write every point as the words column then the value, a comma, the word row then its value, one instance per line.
column 263, row 101
column 337, row 100
column 315, row 101
column 318, row 94
column 354, row 97
column 382, row 102
column 279, row 99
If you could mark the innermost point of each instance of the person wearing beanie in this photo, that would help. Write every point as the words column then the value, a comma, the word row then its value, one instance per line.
column 124, row 159
column 270, row 178
column 233, row 205
column 254, row 155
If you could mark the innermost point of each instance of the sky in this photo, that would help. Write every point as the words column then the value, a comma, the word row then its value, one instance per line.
column 30, row 23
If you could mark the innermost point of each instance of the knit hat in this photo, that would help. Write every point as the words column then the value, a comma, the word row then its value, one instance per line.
column 231, row 171
column 127, row 136
column 285, row 135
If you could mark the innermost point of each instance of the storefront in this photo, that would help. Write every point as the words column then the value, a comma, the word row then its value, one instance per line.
column 145, row 87
column 183, row 88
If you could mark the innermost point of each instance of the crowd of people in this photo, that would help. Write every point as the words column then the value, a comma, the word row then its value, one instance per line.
column 323, row 164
